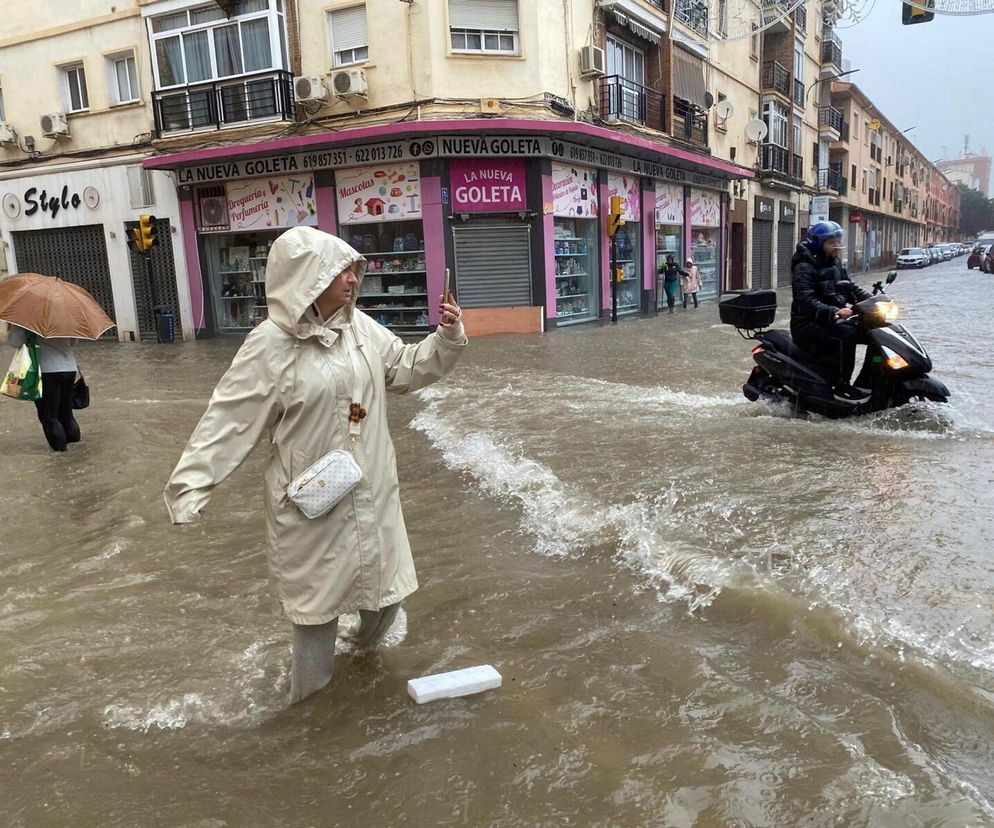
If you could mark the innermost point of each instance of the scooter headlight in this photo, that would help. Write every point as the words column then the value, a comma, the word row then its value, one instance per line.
column 888, row 310
column 894, row 361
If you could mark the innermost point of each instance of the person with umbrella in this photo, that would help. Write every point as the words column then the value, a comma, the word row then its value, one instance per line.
column 56, row 314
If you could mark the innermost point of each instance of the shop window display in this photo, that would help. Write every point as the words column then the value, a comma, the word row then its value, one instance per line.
column 237, row 265
column 576, row 268
column 705, row 235
column 628, row 262
column 394, row 290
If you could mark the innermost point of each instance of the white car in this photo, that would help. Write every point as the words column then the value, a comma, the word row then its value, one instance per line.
column 912, row 257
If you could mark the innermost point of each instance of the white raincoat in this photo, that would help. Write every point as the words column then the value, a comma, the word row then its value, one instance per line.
column 293, row 381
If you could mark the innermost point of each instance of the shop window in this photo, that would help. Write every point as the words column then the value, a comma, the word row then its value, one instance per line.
column 628, row 242
column 575, row 243
column 669, row 233
column 75, row 98
column 484, row 26
column 123, row 78
column 349, row 38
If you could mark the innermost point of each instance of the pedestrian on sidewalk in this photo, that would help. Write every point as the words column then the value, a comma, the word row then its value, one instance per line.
column 671, row 273
column 58, row 376
column 310, row 379
column 690, row 282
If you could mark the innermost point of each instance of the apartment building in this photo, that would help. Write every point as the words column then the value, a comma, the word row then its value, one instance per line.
column 889, row 195
column 487, row 136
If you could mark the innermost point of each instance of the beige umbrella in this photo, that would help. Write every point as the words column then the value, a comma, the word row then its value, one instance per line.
column 51, row 307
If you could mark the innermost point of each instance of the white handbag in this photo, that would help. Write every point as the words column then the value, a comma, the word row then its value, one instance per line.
column 325, row 483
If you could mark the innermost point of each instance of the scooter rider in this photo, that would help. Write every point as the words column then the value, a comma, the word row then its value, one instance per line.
column 821, row 304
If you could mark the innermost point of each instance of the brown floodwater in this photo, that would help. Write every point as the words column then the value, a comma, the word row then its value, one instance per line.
column 706, row 611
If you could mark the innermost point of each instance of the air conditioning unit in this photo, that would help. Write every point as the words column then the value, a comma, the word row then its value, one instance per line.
column 309, row 88
column 54, row 124
column 350, row 83
column 213, row 211
column 592, row 62
column 7, row 135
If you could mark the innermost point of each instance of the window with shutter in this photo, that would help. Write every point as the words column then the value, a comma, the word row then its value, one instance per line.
column 484, row 26
column 349, row 38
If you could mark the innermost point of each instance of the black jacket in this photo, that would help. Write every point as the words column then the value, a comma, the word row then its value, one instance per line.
column 671, row 272
column 817, row 292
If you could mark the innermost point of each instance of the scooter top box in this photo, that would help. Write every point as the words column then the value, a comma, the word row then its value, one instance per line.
column 749, row 310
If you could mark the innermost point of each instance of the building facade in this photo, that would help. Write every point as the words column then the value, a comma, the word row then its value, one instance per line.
column 973, row 171
column 484, row 136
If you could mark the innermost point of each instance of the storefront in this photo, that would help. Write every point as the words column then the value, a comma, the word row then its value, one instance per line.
column 670, row 240
column 575, row 196
column 518, row 218
column 75, row 224
column 628, row 241
column 705, row 238
column 786, row 242
column 762, row 243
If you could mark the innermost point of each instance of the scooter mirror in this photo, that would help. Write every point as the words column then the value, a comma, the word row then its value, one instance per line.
column 891, row 277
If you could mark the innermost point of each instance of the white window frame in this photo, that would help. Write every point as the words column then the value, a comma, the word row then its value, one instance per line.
column 775, row 117
column 510, row 38
column 113, row 78
column 627, row 50
column 66, row 71
column 356, row 54
column 273, row 13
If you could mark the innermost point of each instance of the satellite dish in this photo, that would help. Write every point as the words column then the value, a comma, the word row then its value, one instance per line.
column 708, row 100
column 756, row 130
column 724, row 110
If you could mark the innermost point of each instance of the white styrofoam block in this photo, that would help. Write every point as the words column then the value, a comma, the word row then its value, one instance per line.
column 456, row 683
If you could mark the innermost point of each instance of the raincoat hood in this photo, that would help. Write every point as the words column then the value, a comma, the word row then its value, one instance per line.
column 301, row 264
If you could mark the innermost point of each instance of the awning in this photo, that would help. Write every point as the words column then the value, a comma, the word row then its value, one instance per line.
column 637, row 28
column 688, row 78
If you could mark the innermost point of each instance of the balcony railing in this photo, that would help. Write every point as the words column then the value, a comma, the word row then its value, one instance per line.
column 829, row 116
column 801, row 17
column 798, row 92
column 831, row 48
column 776, row 78
column 622, row 99
column 831, row 179
column 775, row 159
column 692, row 13
column 797, row 167
column 689, row 123
column 212, row 105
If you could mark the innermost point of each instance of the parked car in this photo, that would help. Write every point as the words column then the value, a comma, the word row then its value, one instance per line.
column 976, row 257
column 988, row 264
column 912, row 257
column 934, row 254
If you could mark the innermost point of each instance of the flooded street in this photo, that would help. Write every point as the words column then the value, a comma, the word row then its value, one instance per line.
column 706, row 611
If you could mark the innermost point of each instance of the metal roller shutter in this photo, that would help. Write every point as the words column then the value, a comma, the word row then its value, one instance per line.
column 762, row 254
column 164, row 270
column 493, row 266
column 76, row 254
column 785, row 252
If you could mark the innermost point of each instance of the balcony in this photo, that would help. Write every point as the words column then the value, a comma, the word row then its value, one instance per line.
column 776, row 78
column 830, row 122
column 831, row 50
column 689, row 123
column 774, row 159
column 263, row 96
column 625, row 100
column 832, row 180
column 801, row 18
column 776, row 16
column 693, row 14
column 798, row 92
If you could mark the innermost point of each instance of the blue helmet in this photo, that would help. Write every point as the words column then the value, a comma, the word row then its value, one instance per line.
column 820, row 232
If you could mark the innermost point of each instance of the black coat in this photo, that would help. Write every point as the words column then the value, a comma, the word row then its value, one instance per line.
column 671, row 271
column 817, row 292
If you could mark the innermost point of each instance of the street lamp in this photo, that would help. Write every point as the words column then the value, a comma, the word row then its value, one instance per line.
column 829, row 78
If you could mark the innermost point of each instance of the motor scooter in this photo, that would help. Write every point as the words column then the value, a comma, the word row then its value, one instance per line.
column 895, row 369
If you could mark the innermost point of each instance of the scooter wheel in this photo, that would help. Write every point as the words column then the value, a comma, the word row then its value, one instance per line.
column 750, row 393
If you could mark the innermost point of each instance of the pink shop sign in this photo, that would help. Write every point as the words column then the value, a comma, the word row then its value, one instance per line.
column 487, row 185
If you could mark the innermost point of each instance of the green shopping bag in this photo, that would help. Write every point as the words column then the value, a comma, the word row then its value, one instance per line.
column 23, row 378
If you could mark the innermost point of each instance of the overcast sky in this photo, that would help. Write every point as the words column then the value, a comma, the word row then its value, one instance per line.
column 937, row 76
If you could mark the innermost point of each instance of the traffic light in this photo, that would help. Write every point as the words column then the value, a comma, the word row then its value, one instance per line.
column 148, row 233
column 614, row 219
column 916, row 14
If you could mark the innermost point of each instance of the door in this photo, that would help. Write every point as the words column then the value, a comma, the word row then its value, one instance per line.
column 76, row 254
column 164, row 273
column 762, row 254
column 628, row 63
column 785, row 252
column 493, row 265
column 737, row 243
